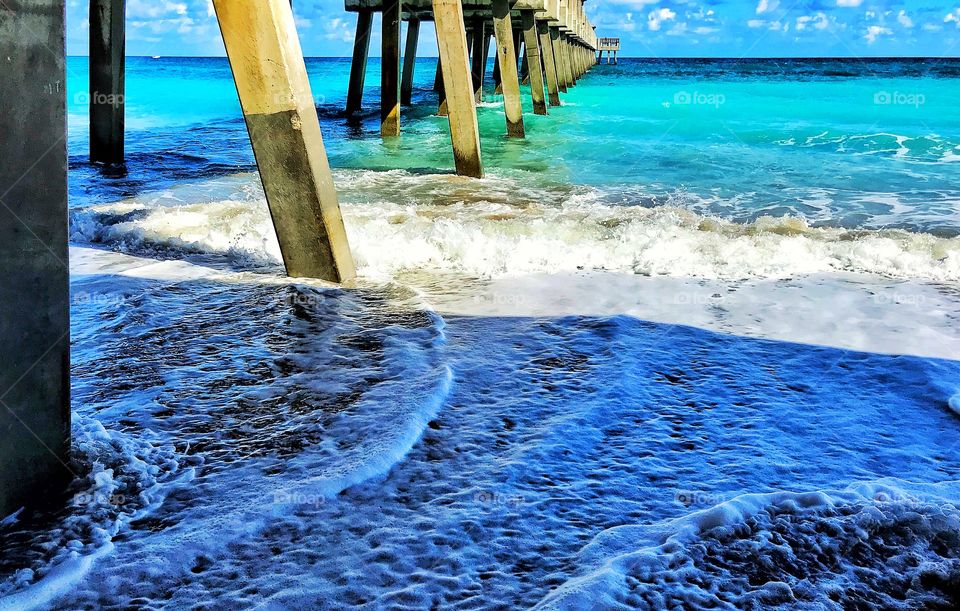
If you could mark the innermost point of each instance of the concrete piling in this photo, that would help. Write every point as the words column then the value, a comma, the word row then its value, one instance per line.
column 358, row 65
column 532, row 54
column 107, row 47
column 409, row 60
column 549, row 63
column 458, row 87
column 35, row 295
column 507, row 60
column 479, row 57
column 390, row 70
column 271, row 77
column 558, row 47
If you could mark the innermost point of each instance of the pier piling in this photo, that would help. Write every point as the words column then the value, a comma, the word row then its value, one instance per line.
column 457, row 86
column 35, row 295
column 550, row 64
column 107, row 45
column 358, row 65
column 507, row 60
column 532, row 54
column 409, row 60
column 390, row 70
column 271, row 77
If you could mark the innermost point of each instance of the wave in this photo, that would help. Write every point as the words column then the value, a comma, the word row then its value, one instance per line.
column 885, row 544
column 491, row 228
column 120, row 479
column 275, row 395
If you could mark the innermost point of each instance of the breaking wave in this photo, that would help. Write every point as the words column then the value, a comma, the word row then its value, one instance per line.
column 493, row 228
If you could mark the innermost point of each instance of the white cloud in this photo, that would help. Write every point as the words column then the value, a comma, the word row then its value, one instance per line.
column 767, row 6
column 905, row 20
column 853, row 3
column 657, row 16
column 953, row 17
column 875, row 31
column 819, row 21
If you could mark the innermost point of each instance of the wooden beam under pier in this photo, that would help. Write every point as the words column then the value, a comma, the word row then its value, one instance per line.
column 271, row 77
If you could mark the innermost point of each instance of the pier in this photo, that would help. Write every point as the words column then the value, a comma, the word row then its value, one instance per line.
column 611, row 46
column 558, row 46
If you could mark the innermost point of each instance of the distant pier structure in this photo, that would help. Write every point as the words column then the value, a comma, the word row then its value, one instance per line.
column 611, row 46
column 559, row 45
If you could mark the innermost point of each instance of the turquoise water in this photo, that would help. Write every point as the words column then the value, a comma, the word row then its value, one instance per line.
column 847, row 143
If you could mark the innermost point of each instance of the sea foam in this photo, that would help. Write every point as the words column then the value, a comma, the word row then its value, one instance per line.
column 493, row 233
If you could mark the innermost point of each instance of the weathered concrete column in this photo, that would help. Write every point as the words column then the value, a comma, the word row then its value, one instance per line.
column 549, row 63
column 107, row 49
column 497, row 80
column 558, row 58
column 532, row 54
column 441, row 92
column 34, row 289
column 390, row 70
column 458, row 86
column 358, row 66
column 479, row 57
column 271, row 78
column 409, row 60
column 507, row 60
column 565, row 55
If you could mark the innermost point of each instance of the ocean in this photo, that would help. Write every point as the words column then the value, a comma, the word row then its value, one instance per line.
column 693, row 342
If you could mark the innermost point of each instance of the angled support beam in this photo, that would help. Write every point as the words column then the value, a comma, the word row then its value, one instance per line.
column 549, row 63
column 458, row 87
column 390, row 70
column 532, row 55
column 409, row 60
column 358, row 66
column 507, row 60
column 278, row 107
column 107, row 49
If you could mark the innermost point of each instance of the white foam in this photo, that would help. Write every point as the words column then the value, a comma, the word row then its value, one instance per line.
column 491, row 238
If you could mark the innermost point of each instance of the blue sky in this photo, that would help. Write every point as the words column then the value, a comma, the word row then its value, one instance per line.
column 648, row 28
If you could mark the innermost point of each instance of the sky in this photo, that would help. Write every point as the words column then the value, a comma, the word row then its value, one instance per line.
column 647, row 28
